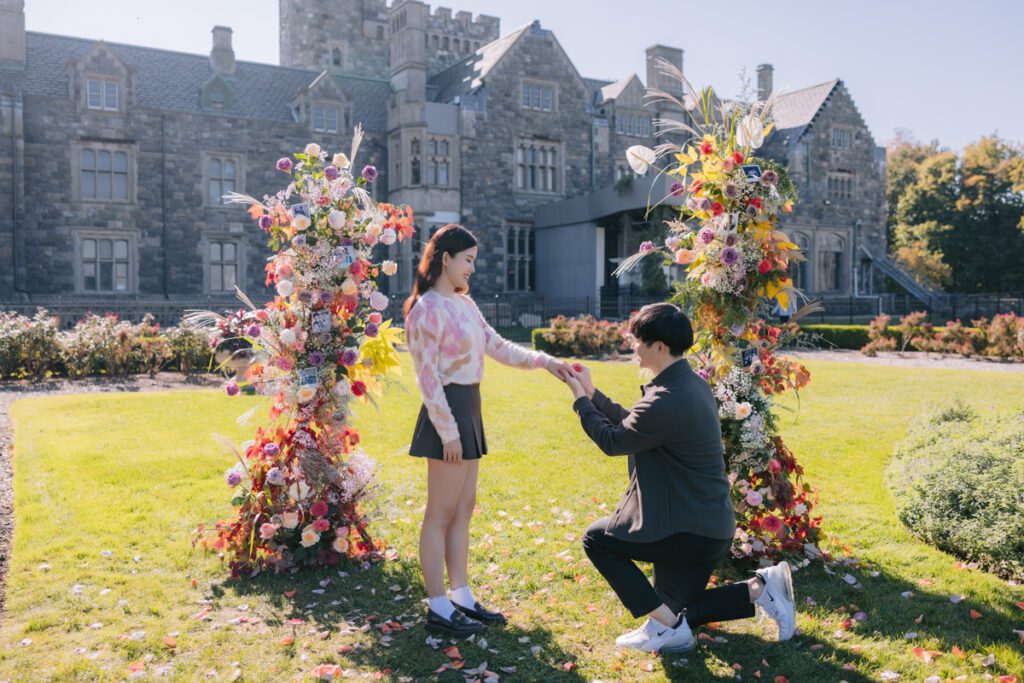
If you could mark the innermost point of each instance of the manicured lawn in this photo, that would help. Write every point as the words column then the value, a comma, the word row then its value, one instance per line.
column 109, row 488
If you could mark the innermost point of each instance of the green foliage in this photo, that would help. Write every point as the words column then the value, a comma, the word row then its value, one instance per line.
column 28, row 346
column 837, row 336
column 958, row 219
column 958, row 478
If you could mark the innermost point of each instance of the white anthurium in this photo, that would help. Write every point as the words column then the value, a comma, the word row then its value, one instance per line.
column 750, row 132
column 640, row 157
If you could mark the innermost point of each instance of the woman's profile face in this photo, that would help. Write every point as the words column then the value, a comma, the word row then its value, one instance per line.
column 459, row 267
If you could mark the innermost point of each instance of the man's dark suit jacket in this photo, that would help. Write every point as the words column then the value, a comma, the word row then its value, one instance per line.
column 673, row 438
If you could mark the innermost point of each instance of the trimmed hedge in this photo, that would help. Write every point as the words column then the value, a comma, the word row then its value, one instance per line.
column 958, row 479
column 583, row 336
column 852, row 337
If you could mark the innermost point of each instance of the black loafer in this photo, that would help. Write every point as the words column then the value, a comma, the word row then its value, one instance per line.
column 481, row 613
column 459, row 626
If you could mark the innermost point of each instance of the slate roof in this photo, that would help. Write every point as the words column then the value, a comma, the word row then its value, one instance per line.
column 466, row 76
column 172, row 81
column 794, row 112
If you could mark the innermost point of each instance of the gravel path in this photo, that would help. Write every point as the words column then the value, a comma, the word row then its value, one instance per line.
column 911, row 360
column 11, row 391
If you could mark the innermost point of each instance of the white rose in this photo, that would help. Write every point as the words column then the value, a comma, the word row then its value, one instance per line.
column 305, row 393
column 389, row 268
column 288, row 336
column 340, row 545
column 309, row 537
column 313, row 149
column 337, row 219
column 300, row 222
column 340, row 161
column 290, row 520
column 285, row 287
column 389, row 236
column 743, row 410
column 379, row 301
column 349, row 287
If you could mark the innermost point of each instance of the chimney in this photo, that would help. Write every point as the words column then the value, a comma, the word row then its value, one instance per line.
column 656, row 79
column 222, row 56
column 764, row 81
column 12, row 34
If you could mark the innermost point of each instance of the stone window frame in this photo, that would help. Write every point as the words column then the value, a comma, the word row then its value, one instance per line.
column 206, row 245
column 842, row 137
column 519, row 239
column 131, row 179
column 537, row 89
column 633, row 124
column 841, row 184
column 438, row 158
column 206, row 156
column 80, row 235
column 801, row 272
column 416, row 170
column 103, row 80
column 523, row 166
column 344, row 113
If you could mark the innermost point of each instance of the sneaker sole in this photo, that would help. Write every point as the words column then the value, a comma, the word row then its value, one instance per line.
column 677, row 649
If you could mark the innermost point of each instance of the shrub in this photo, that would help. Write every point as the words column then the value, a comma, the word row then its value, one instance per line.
column 28, row 346
column 190, row 350
column 957, row 478
column 583, row 336
column 880, row 336
column 852, row 337
column 1005, row 337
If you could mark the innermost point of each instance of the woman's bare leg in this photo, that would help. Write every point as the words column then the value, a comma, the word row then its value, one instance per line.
column 445, row 481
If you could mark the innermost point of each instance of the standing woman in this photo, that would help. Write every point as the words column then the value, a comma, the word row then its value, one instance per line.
column 448, row 337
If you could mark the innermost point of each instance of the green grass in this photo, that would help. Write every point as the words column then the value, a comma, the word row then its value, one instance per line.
column 134, row 473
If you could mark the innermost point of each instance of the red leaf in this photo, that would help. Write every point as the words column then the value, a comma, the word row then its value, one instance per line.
column 975, row 614
column 289, row 594
column 959, row 653
column 569, row 666
column 287, row 640
column 781, row 679
column 1008, row 679
column 1019, row 604
column 170, row 642
column 926, row 655
column 137, row 666
column 452, row 652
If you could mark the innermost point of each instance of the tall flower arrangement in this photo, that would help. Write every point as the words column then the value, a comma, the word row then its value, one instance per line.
column 735, row 258
column 320, row 346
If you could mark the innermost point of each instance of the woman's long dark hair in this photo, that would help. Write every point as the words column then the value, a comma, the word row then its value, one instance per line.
column 450, row 239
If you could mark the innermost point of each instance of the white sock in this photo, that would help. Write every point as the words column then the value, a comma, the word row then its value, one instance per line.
column 442, row 606
column 463, row 597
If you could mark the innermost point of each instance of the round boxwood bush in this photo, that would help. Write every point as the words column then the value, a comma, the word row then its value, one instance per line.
column 958, row 480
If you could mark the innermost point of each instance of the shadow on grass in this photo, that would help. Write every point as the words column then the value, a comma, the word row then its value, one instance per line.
column 938, row 623
column 375, row 618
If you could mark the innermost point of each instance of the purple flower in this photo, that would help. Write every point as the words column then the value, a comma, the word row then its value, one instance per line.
column 316, row 359
column 704, row 374
column 371, row 330
column 326, row 298
column 231, row 389
column 252, row 331
column 299, row 241
column 706, row 236
column 677, row 189
column 730, row 191
column 233, row 478
column 275, row 477
column 646, row 247
column 369, row 173
column 705, row 203
column 331, row 173
column 730, row 255
column 730, row 240
column 271, row 449
column 349, row 357
column 284, row 164
column 769, row 177
column 266, row 221
column 345, row 242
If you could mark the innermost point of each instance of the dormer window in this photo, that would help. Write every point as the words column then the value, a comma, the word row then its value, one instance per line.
column 325, row 119
column 102, row 94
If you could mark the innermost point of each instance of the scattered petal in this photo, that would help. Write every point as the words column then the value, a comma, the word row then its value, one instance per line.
column 956, row 599
column 890, row 676
column 974, row 614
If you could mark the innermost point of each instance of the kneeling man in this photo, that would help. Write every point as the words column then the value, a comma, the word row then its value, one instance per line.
column 677, row 512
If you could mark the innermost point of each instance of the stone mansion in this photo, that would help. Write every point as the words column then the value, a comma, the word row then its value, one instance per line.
column 113, row 158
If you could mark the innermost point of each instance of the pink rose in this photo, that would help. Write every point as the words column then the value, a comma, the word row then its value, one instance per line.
column 319, row 509
column 321, row 525
column 267, row 531
column 774, row 465
column 754, row 499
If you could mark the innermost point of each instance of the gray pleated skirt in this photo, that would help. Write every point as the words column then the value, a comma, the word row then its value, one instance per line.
column 464, row 401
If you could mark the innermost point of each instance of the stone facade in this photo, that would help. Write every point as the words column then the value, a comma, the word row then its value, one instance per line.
column 129, row 146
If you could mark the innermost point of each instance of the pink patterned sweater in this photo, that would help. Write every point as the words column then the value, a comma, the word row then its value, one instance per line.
column 448, row 337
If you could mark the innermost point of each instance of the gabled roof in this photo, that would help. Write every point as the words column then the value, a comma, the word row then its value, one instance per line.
column 794, row 111
column 468, row 75
column 173, row 80
column 613, row 90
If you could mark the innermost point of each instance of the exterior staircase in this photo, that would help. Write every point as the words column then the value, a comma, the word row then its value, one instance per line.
column 936, row 301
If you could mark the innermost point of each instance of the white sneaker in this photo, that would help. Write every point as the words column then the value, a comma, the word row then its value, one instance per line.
column 656, row 637
column 777, row 598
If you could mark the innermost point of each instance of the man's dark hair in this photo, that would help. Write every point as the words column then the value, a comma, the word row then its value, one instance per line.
column 665, row 323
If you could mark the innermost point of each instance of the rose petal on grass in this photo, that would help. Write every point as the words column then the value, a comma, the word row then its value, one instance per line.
column 974, row 614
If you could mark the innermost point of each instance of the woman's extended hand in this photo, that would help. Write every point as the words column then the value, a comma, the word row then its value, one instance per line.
column 453, row 451
column 560, row 369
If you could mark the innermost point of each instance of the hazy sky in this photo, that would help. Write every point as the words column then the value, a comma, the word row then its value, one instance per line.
column 952, row 71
